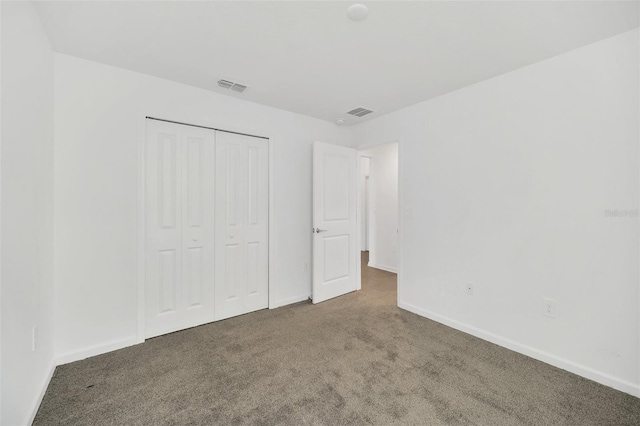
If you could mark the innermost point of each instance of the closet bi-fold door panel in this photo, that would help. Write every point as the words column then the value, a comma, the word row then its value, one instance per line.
column 241, row 247
column 179, row 209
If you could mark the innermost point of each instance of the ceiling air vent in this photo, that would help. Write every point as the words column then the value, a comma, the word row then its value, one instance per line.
column 225, row 84
column 237, row 87
column 360, row 112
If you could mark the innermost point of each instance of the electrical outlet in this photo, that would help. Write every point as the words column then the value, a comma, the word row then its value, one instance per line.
column 549, row 308
column 34, row 338
column 469, row 288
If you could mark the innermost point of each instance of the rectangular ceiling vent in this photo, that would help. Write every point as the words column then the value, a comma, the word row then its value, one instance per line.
column 226, row 84
column 360, row 112
column 239, row 87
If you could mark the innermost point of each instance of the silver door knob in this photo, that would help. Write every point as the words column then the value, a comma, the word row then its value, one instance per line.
column 318, row 230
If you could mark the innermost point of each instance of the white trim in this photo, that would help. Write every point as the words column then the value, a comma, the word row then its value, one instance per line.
column 142, row 136
column 35, row 406
column 400, row 222
column 1, row 226
column 638, row 233
column 383, row 267
column 289, row 301
column 358, row 221
column 99, row 349
column 1, row 222
column 271, row 232
column 556, row 361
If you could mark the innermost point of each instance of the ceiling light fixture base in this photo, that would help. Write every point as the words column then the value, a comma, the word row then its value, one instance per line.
column 357, row 12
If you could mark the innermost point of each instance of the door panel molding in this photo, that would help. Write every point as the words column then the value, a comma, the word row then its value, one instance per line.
column 242, row 225
column 179, row 203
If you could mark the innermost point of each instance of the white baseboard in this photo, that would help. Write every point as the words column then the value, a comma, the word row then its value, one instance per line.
column 71, row 357
column 556, row 361
column 383, row 267
column 43, row 389
column 289, row 301
column 95, row 350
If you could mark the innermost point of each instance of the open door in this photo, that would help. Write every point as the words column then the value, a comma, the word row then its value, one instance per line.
column 334, row 221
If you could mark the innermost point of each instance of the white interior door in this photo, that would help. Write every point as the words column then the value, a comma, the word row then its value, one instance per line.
column 334, row 221
column 242, row 224
column 179, row 227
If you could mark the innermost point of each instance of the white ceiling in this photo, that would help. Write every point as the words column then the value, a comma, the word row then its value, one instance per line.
column 309, row 58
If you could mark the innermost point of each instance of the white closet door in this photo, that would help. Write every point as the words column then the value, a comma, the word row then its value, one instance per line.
column 179, row 227
column 242, row 232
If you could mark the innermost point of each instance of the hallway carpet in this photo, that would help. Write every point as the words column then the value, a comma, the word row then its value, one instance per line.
column 353, row 360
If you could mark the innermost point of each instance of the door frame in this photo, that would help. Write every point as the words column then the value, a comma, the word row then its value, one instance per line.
column 359, row 218
column 141, row 210
column 364, row 202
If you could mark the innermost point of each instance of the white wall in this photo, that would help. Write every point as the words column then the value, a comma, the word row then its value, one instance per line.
column 509, row 180
column 27, row 212
column 383, row 206
column 98, row 119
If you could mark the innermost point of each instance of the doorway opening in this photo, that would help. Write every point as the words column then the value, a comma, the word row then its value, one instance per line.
column 378, row 224
column 348, row 244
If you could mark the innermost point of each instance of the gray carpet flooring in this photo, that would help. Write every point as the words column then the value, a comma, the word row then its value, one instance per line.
column 356, row 359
